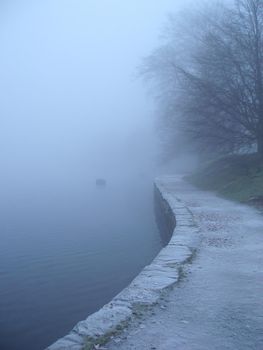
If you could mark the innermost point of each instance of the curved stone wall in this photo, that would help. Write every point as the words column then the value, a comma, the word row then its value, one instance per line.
column 146, row 289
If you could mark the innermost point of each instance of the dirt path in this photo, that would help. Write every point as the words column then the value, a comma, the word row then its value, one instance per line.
column 219, row 304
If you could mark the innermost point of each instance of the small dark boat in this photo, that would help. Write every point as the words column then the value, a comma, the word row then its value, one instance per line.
column 100, row 183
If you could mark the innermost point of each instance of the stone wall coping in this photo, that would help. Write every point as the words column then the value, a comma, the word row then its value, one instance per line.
column 147, row 288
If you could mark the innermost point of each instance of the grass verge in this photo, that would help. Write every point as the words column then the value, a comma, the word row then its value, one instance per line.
column 237, row 177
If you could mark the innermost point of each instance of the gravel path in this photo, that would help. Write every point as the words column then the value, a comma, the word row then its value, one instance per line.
column 219, row 303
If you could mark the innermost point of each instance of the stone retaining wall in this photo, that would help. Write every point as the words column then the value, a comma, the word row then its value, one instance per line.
column 147, row 288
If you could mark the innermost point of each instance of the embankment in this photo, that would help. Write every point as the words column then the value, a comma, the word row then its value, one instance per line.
column 181, row 233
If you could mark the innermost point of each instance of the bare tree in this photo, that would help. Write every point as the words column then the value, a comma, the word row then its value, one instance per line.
column 210, row 77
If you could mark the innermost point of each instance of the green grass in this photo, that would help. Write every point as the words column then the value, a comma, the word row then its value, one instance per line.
column 237, row 177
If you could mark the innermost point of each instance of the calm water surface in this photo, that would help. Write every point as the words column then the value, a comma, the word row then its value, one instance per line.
column 67, row 251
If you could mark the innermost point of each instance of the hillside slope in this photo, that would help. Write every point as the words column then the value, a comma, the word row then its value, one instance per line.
column 237, row 177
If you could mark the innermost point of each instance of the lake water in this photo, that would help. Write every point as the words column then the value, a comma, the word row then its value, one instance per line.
column 66, row 251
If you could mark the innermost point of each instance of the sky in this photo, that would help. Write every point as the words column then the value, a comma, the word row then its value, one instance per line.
column 70, row 99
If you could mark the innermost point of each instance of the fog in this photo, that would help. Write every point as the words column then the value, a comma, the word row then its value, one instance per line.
column 82, row 137
column 71, row 103
column 73, row 110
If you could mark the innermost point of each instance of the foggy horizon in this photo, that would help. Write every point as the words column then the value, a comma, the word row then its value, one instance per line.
column 73, row 110
column 71, row 99
column 131, row 186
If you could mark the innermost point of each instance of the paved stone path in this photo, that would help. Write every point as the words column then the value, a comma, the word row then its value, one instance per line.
column 219, row 303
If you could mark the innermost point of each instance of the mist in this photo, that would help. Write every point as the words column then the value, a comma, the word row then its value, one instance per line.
column 71, row 103
column 99, row 100
column 72, row 111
